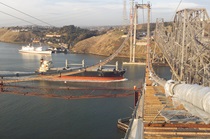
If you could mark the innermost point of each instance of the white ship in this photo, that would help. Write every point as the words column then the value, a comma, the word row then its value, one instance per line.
column 34, row 50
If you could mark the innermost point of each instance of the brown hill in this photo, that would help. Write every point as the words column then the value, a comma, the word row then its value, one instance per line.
column 12, row 36
column 106, row 44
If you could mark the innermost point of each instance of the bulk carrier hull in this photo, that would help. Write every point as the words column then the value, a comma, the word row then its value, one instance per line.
column 93, row 76
column 88, row 75
column 101, row 73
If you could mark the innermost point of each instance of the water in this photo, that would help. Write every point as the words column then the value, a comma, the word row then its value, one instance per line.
column 41, row 118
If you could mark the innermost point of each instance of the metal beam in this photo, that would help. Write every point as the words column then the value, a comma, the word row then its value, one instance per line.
column 186, row 46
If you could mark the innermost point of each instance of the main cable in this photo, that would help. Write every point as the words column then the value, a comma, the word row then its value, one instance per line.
column 18, row 18
column 25, row 14
column 176, row 9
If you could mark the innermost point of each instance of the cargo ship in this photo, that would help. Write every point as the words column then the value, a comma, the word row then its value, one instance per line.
column 107, row 73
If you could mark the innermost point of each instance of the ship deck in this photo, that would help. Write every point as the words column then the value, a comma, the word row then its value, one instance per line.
column 86, row 79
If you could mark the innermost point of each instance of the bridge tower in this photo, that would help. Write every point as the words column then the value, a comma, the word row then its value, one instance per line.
column 133, row 27
column 124, row 16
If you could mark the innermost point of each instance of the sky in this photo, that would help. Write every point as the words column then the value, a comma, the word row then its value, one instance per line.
column 86, row 12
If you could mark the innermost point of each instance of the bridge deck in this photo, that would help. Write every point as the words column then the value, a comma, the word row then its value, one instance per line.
column 156, row 126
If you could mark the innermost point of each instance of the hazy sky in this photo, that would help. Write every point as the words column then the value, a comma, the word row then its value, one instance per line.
column 87, row 12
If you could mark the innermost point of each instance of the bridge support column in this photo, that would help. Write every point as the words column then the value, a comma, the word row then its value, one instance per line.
column 2, row 85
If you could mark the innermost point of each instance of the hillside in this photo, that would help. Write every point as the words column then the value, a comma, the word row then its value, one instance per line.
column 72, row 34
column 106, row 44
column 68, row 35
column 7, row 35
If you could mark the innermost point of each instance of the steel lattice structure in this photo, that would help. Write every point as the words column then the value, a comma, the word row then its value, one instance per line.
column 186, row 47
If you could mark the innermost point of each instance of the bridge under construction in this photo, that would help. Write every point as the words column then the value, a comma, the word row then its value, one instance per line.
column 178, row 108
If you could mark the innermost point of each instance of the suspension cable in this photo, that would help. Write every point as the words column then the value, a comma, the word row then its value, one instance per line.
column 176, row 9
column 18, row 18
column 26, row 14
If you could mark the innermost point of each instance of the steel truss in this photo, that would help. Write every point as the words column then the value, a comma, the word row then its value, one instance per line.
column 186, row 48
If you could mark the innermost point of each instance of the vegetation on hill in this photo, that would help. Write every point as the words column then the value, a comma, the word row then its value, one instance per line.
column 72, row 34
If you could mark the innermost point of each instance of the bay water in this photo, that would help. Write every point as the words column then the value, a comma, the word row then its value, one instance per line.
column 47, row 118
